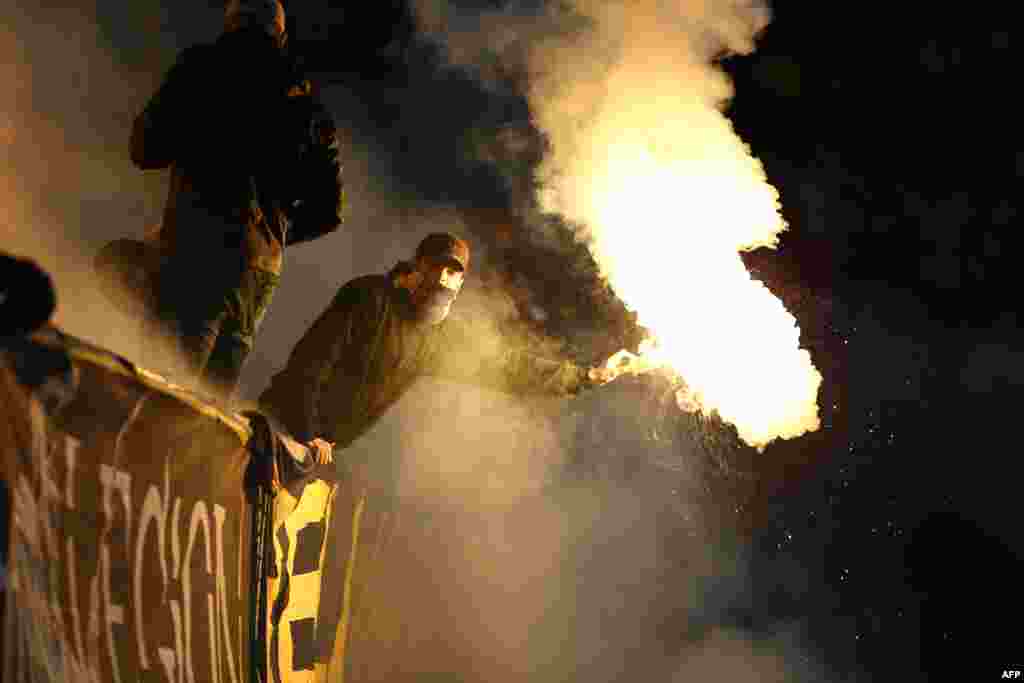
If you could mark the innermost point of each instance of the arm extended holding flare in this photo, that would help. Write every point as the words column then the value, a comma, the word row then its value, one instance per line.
column 521, row 372
column 623, row 362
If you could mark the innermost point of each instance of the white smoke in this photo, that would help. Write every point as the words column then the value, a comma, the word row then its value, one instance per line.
column 630, row 96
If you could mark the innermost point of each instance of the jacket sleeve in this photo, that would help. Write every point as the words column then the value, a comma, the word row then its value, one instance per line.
column 319, row 353
column 320, row 208
column 514, row 371
column 156, row 130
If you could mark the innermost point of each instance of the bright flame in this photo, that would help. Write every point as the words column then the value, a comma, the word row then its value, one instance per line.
column 669, row 196
column 732, row 341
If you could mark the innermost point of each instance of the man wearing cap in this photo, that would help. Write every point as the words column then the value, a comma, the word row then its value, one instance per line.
column 383, row 332
column 254, row 168
column 379, row 335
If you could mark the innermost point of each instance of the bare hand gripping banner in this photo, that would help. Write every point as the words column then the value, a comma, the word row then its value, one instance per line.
column 127, row 530
column 324, row 546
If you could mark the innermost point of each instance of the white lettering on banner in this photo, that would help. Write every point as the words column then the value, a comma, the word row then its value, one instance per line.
column 154, row 510
column 86, row 622
column 175, row 541
column 70, row 458
column 219, row 516
column 199, row 517
column 77, row 665
column 112, row 480
column 92, row 633
column 167, row 657
column 26, row 520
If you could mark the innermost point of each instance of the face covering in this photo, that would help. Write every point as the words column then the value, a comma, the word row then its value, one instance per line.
column 434, row 307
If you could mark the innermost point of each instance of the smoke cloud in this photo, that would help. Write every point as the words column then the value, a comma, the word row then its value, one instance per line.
column 642, row 164
column 642, row 160
column 67, row 186
column 666, row 195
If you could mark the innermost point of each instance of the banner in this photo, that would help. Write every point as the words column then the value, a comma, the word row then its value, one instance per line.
column 329, row 542
column 131, row 551
column 127, row 531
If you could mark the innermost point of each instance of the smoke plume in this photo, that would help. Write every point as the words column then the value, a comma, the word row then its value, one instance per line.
column 642, row 159
column 67, row 186
column 667, row 194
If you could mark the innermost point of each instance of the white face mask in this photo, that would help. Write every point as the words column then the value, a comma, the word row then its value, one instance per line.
column 437, row 306
column 434, row 292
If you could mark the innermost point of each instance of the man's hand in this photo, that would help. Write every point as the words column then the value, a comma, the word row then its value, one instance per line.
column 619, row 363
column 322, row 450
column 601, row 375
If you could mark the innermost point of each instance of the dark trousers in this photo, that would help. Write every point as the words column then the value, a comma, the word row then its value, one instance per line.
column 215, row 314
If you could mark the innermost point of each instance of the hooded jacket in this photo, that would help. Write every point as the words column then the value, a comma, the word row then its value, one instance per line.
column 254, row 155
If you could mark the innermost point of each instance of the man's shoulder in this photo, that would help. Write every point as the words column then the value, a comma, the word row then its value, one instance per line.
column 375, row 287
column 197, row 53
column 194, row 61
column 375, row 282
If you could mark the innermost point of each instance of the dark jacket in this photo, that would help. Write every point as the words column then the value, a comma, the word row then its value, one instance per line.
column 365, row 351
column 254, row 155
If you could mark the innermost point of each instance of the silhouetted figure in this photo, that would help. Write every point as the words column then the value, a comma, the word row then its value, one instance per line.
column 27, row 297
column 254, row 168
column 27, row 300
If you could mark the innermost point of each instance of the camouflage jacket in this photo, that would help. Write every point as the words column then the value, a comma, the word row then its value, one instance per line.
column 364, row 352
column 254, row 155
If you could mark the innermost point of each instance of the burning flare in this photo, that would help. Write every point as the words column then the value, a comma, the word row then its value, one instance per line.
column 644, row 158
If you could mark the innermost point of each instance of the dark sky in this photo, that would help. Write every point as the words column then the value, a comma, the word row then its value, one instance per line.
column 893, row 141
column 906, row 119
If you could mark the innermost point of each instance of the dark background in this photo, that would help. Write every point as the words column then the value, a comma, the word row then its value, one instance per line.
column 892, row 136
column 893, row 142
